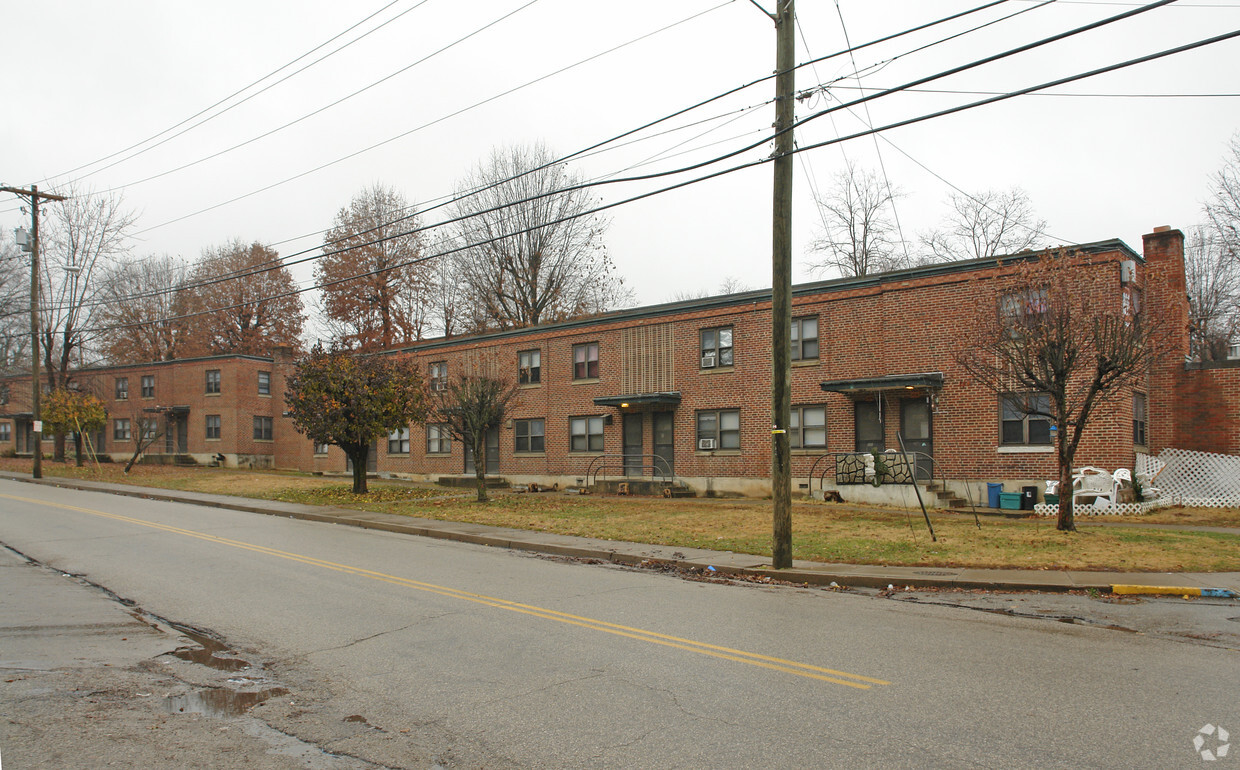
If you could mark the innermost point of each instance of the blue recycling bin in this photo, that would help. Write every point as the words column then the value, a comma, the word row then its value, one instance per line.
column 992, row 493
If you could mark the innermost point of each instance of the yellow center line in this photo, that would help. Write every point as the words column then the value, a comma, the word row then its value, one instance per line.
column 652, row 637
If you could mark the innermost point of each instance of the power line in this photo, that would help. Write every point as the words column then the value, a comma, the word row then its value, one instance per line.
column 326, row 107
column 428, row 124
column 831, row 110
column 730, row 170
column 596, row 146
column 244, row 89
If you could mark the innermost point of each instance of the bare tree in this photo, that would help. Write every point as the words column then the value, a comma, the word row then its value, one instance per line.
column 1223, row 205
column 1051, row 350
column 144, row 309
column 14, row 307
column 1213, row 276
column 447, row 296
column 984, row 225
column 471, row 405
column 388, row 303
column 244, row 301
column 85, row 234
column 729, row 285
column 535, row 252
column 859, row 235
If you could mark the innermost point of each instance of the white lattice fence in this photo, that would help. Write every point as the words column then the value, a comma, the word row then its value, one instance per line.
column 1199, row 478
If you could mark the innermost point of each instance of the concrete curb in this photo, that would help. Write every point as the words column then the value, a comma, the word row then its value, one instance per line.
column 635, row 554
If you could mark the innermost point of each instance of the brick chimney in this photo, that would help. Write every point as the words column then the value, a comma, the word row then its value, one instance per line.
column 1166, row 303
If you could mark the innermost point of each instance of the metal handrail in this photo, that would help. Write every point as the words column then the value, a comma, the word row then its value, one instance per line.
column 603, row 462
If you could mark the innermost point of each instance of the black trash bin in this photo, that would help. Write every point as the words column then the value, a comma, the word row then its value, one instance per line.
column 1028, row 497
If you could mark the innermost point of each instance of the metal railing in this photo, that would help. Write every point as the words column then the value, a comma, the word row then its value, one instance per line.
column 622, row 465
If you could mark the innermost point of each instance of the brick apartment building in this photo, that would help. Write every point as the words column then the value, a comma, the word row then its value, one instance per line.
column 684, row 388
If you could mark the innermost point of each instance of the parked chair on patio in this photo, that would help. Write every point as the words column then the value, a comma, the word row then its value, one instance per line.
column 1094, row 486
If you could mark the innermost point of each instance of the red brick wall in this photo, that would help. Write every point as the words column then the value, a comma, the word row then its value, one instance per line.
column 886, row 325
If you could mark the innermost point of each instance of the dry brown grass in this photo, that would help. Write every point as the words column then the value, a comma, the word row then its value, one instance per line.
column 821, row 531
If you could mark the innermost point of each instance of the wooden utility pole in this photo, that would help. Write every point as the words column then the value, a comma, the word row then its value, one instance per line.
column 36, row 433
column 781, row 287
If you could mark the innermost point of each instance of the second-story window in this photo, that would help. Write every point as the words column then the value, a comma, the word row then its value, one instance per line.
column 437, row 373
column 213, row 381
column 585, row 361
column 264, row 383
column 529, row 367
column 804, row 339
column 122, row 388
column 148, row 386
column 716, row 347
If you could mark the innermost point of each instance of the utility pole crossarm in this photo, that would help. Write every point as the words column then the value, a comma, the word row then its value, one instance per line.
column 33, row 193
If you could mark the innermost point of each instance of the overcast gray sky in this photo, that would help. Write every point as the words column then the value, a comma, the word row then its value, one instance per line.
column 1111, row 156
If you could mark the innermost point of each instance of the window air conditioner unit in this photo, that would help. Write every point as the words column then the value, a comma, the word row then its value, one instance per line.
column 708, row 361
column 706, row 443
column 439, row 386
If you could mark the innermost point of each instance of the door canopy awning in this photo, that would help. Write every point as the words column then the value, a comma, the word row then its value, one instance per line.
column 170, row 410
column 668, row 398
column 860, row 385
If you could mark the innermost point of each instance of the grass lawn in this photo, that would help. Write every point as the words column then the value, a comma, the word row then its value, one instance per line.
column 828, row 532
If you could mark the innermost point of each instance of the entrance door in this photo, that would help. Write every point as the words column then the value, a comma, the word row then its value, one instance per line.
column 492, row 452
column 25, row 436
column 176, row 438
column 915, row 427
column 869, row 422
column 664, row 447
column 633, row 460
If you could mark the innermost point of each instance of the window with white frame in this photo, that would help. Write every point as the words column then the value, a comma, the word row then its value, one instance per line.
column 719, row 429
column 585, row 434
column 438, row 440
column 320, row 449
column 148, row 386
column 529, row 435
column 716, row 347
column 213, row 381
column 6, row 431
column 122, row 388
column 437, row 374
column 264, row 383
column 808, row 427
column 1025, row 419
column 213, row 426
column 121, row 429
column 150, row 429
column 529, row 367
column 398, row 442
column 805, row 338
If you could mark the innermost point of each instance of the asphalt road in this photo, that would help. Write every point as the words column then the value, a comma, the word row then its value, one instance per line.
column 406, row 652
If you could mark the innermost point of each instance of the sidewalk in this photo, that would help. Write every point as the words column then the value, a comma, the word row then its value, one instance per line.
column 1221, row 584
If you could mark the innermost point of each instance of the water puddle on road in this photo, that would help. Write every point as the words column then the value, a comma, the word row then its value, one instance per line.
column 219, row 703
column 209, row 653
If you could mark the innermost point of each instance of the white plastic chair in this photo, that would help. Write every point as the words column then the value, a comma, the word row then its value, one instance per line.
column 1094, row 486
